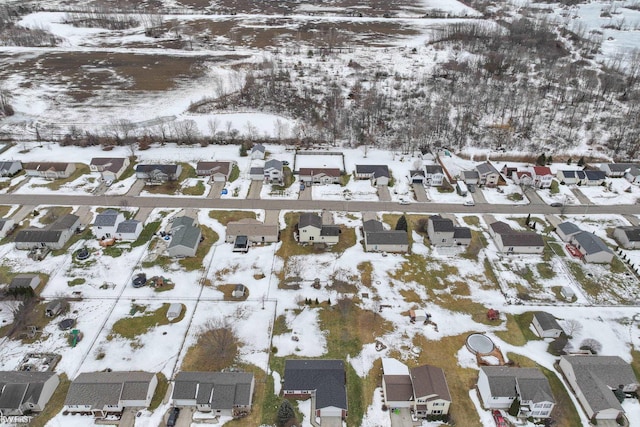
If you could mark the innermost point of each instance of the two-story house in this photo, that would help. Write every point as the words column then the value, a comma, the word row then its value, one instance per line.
column 274, row 172
column 311, row 230
column 542, row 176
column 488, row 175
column 442, row 232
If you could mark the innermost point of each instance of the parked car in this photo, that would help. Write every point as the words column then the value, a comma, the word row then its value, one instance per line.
column 499, row 419
column 173, row 416
column 469, row 203
column 556, row 205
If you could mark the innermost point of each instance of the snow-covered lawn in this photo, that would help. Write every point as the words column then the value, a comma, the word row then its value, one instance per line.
column 618, row 191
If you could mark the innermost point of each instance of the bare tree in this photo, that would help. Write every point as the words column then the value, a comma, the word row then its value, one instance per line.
column 345, row 305
column 219, row 342
column 592, row 345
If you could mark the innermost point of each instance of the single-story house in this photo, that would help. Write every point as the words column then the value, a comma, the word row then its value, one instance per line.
column 129, row 230
column 49, row 170
column 487, row 175
column 110, row 168
column 511, row 241
column 434, row 175
column 542, row 176
column 442, row 232
column 106, row 223
column 377, row 174
column 222, row 393
column 423, row 389
column 570, row 177
column 104, row 393
column 566, row 230
column 274, row 172
column 185, row 237
column 546, row 325
column 24, row 281
column 593, row 380
column 10, row 167
column 311, row 230
column 471, row 177
column 592, row 248
column 311, row 176
column 326, row 378
column 174, row 311
column 377, row 239
column 499, row 386
column 258, row 151
column 256, row 174
column 6, row 225
column 593, row 178
column 218, row 171
column 616, row 170
column 627, row 237
column 158, row 173
column 633, row 175
column 254, row 230
column 54, row 237
column 23, row 392
column 522, row 177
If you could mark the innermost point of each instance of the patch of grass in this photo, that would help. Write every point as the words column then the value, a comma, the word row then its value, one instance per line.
column 515, row 197
column 228, row 289
column 518, row 332
column 235, row 173
column 472, row 221
column 556, row 248
column 280, row 325
column 589, row 285
column 147, row 232
column 478, row 242
column 129, row 171
column 54, row 213
column 225, row 217
column 161, row 390
column 489, row 273
column 81, row 169
column 198, row 357
column 113, row 251
column 131, row 327
column 77, row 281
column 55, row 404
column 366, row 273
column 344, row 179
column 195, row 262
column 545, row 270
column 164, row 288
column 617, row 266
column 196, row 190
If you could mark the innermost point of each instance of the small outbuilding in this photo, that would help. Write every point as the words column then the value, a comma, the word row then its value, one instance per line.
column 56, row 307
column 174, row 311
column 418, row 315
column 546, row 325
column 239, row 291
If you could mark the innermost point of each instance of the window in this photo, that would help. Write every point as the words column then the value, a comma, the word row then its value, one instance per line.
column 547, row 405
column 311, row 238
column 436, row 412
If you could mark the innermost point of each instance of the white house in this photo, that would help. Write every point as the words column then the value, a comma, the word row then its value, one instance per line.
column 569, row 177
column 542, row 176
column 627, row 237
column 546, row 325
column 110, row 168
column 633, row 175
column 129, row 230
column 377, row 239
column 566, row 230
column 434, row 175
column 312, row 230
column 106, row 224
column 511, row 241
column 258, row 151
column 6, row 225
column 49, row 170
column 220, row 393
column 23, row 392
column 378, row 174
column 10, row 167
column 185, row 237
column 274, row 172
column 592, row 248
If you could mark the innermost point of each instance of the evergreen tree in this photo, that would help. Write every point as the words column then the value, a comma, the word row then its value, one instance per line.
column 541, row 160
column 402, row 223
column 581, row 162
column 569, row 161
column 285, row 413
column 549, row 159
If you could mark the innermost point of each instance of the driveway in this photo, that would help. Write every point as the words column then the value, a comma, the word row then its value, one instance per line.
column 420, row 193
column 128, row 418
column 383, row 193
column 136, row 188
column 401, row 417
column 584, row 200
column 330, row 422
column 216, row 189
column 22, row 213
column 142, row 214
column 254, row 190
column 478, row 196
column 306, row 194
column 271, row 217
column 533, row 196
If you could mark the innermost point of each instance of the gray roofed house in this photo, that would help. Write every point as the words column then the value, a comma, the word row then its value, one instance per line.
column 511, row 241
column 66, row 222
column 254, row 230
column 274, row 171
column 103, row 393
column 378, row 174
column 434, row 175
column 106, row 223
column 499, row 386
column 592, row 248
column 185, row 237
column 49, row 170
column 443, row 232
column 24, row 281
column 10, row 168
column 6, row 226
column 53, row 237
column 326, row 377
column 377, row 239
column 258, row 151
column 225, row 393
column 627, row 237
column 487, row 174
column 546, row 325
column 471, row 177
column 107, row 218
column 158, row 173
column 616, row 170
column 372, row 226
column 22, row 392
column 593, row 379
column 566, row 230
column 110, row 168
column 310, row 229
column 129, row 229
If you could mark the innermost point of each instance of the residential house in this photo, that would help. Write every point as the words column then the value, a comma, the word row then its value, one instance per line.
column 633, row 175
column 10, row 167
column 254, row 230
column 592, row 248
column 310, row 176
column 542, row 176
column 423, row 389
column 106, row 224
column 499, row 386
column 511, row 241
column 566, row 230
column 616, row 170
column 185, row 237
column 217, row 171
column 129, row 230
column 570, row 177
column 442, row 232
column 157, row 174
column 434, row 175
column 221, row 393
column 378, row 174
column 417, row 176
column 104, row 393
column 24, row 282
column 592, row 178
column 49, row 170
column 471, row 177
column 312, row 230
column 593, row 380
column 508, row 170
column 274, row 172
column 324, row 378
column 546, row 325
column 627, row 237
column 6, row 226
column 522, row 177
column 256, row 174
column 23, row 392
column 55, row 236
column 258, row 152
column 377, row 239
column 487, row 174
column 110, row 168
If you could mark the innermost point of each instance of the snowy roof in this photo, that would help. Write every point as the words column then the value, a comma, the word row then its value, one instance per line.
column 591, row 243
column 392, row 366
column 326, row 377
column 223, row 390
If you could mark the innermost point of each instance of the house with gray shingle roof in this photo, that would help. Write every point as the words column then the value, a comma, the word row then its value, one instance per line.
column 217, row 171
column 49, row 170
column 129, row 230
column 104, row 393
column 377, row 174
column 325, row 378
column 10, row 167
column 110, row 168
column 442, row 232
column 499, row 386
column 487, row 174
column 224, row 393
column 593, row 379
column 627, row 237
column 6, row 225
column 22, row 392
column 106, row 223
column 616, row 170
column 55, row 236
column 254, row 230
column 592, row 248
column 156, row 174
column 377, row 239
column 546, row 325
column 310, row 229
column 185, row 237
column 470, row 177
column 566, row 230
column 511, row 241
column 258, row 151
column 274, row 172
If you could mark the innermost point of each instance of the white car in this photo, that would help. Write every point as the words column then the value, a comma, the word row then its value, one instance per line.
column 469, row 203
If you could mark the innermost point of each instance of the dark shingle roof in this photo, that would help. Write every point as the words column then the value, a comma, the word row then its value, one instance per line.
column 229, row 388
column 327, row 377
column 17, row 387
column 111, row 164
column 486, row 168
column 372, row 226
column 375, row 170
column 38, row 235
column 441, row 224
column 523, row 238
column 106, row 218
column 547, row 321
column 500, row 227
column 461, row 233
column 22, row 281
column 310, row 219
column 65, row 222
column 502, row 382
column 330, row 230
column 273, row 163
column 105, row 388
column 470, row 175
column 399, row 388
column 256, row 171
column 632, row 233
column 430, row 381
column 6, row 165
column 431, row 169
column 620, row 167
column 568, row 228
column 390, row 237
column 167, row 169
column 591, row 243
column 128, row 226
column 215, row 167
column 188, row 236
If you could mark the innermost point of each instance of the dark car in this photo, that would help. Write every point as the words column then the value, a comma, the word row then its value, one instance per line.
column 173, row 416
column 556, row 205
column 139, row 280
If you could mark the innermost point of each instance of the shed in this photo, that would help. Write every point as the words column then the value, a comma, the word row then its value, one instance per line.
column 56, row 307
column 25, row 281
column 546, row 325
column 418, row 315
column 239, row 291
column 567, row 293
column 174, row 311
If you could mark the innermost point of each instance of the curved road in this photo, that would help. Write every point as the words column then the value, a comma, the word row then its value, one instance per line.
column 277, row 204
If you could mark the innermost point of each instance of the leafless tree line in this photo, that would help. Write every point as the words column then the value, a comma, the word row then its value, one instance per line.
column 101, row 18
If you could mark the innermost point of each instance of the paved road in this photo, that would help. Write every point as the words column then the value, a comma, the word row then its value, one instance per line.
column 275, row 204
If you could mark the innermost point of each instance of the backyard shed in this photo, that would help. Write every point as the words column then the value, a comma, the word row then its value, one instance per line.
column 174, row 311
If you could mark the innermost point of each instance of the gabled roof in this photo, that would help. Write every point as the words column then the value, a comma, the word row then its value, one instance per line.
column 430, row 381
column 461, row 233
column 568, row 228
column 65, row 222
column 591, row 243
column 188, row 236
column 470, row 175
column 256, row 171
column 486, row 168
column 223, row 390
column 273, row 164
column 111, row 164
column 258, row 147
column 6, row 165
column 166, row 169
column 511, row 237
column 107, row 218
column 500, row 227
column 310, row 219
column 619, row 167
column 502, row 383
column 46, row 166
column 182, row 221
column 432, row 169
column 417, row 172
column 332, row 172
column 215, row 167
column 632, row 233
column 372, row 226
column 568, row 173
column 547, row 321
column 542, row 170
column 330, row 230
column 388, row 237
column 374, row 170
column 251, row 227
column 535, row 389
column 38, row 235
column 440, row 224
column 327, row 377
column 596, row 376
column 22, row 281
column 18, row 387
column 399, row 388
column 128, row 226
column 594, row 175
column 98, row 389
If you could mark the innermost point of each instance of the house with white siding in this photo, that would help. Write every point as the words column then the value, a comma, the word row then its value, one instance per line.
column 545, row 325
column 24, row 392
column 310, row 229
column 510, row 241
column 227, row 394
column 106, row 223
column 627, row 237
column 110, row 168
column 592, row 248
column 377, row 239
